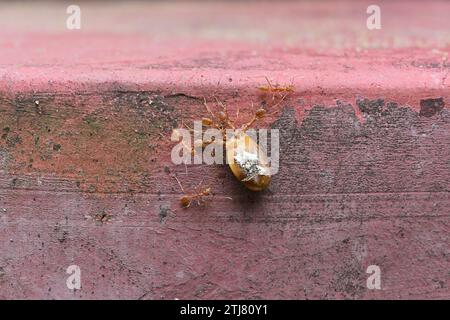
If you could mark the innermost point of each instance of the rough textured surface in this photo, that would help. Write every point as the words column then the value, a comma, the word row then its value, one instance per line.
column 86, row 176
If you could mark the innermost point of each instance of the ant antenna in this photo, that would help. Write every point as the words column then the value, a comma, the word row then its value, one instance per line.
column 179, row 183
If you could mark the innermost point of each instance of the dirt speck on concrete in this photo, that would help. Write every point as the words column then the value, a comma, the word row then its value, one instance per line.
column 102, row 217
column 429, row 107
column 56, row 147
column 2, row 272
column 4, row 157
column 12, row 141
column 370, row 106
column 163, row 213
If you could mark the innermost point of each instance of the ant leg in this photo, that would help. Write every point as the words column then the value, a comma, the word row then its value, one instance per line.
column 200, row 201
column 179, row 183
column 259, row 114
column 248, row 124
column 220, row 103
column 223, row 115
column 281, row 100
column 186, row 200
column 216, row 119
column 208, row 109
column 271, row 88
column 269, row 83
column 198, row 187
column 192, row 131
column 196, row 143
column 236, row 117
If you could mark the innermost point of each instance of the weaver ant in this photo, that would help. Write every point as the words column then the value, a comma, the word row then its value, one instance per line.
column 276, row 90
column 270, row 88
column 198, row 196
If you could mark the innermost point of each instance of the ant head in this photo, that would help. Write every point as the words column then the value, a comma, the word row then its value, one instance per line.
column 185, row 201
column 222, row 116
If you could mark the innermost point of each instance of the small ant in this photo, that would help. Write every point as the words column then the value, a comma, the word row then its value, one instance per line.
column 269, row 88
column 187, row 199
column 276, row 90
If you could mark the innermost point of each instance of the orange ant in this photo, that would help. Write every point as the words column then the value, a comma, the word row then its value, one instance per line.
column 276, row 90
column 187, row 199
column 269, row 88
